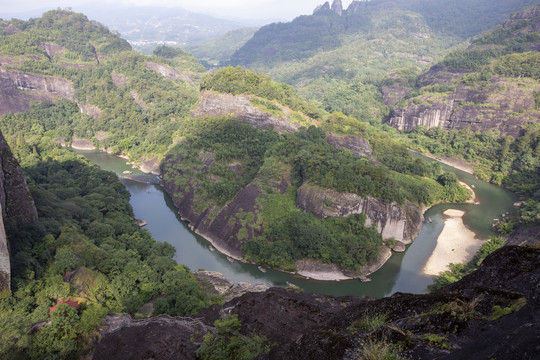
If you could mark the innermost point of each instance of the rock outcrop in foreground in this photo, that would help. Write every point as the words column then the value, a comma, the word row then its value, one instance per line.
column 492, row 313
column 17, row 206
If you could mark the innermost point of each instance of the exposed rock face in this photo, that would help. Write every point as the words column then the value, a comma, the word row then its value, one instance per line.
column 52, row 49
column 150, row 166
column 11, row 30
column 119, row 80
column 318, row 270
column 391, row 220
column 18, row 88
column 281, row 315
column 355, row 7
column 168, row 72
column 239, row 106
column 15, row 202
column 221, row 228
column 5, row 264
column 323, row 7
column 337, row 7
column 394, row 93
column 357, row 145
column 90, row 110
column 505, row 104
column 160, row 337
column 213, row 104
column 82, row 144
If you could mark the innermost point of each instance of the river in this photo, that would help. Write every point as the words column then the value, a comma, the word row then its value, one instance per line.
column 403, row 272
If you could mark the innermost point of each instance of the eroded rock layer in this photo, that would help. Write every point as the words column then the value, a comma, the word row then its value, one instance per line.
column 16, row 204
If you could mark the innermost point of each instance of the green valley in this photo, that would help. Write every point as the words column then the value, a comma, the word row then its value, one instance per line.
column 293, row 155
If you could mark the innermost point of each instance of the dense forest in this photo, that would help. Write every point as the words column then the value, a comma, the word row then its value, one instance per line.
column 135, row 104
column 85, row 248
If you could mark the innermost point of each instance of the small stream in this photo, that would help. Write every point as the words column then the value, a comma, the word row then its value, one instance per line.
column 403, row 272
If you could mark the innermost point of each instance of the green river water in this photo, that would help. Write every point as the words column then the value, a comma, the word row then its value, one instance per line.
column 403, row 272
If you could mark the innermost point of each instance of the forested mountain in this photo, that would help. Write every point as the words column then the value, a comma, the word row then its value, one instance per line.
column 339, row 58
column 127, row 101
column 487, row 97
column 140, row 106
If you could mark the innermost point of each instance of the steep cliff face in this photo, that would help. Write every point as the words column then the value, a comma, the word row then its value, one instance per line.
column 18, row 88
column 239, row 106
column 492, row 84
column 392, row 221
column 16, row 203
column 505, row 104
column 220, row 226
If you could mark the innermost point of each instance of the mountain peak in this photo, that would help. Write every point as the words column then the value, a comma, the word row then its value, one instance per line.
column 337, row 7
column 323, row 7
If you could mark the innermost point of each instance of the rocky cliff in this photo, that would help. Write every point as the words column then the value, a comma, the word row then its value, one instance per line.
column 493, row 84
column 16, row 204
column 220, row 226
column 239, row 106
column 18, row 89
column 391, row 220
column 504, row 103
column 492, row 313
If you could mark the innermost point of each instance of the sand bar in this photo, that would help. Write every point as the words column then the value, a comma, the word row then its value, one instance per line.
column 459, row 164
column 456, row 244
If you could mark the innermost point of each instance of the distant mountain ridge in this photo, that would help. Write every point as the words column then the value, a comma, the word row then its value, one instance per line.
column 159, row 24
column 325, row 29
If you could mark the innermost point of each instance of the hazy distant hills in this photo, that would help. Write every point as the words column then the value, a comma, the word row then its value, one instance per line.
column 145, row 27
column 328, row 28
column 158, row 24
column 218, row 51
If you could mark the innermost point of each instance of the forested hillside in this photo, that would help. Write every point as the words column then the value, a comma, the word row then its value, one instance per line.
column 226, row 172
column 339, row 59
column 129, row 102
column 84, row 249
column 486, row 97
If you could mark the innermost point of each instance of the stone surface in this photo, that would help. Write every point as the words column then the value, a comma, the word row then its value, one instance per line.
column 504, row 105
column 217, row 284
column 18, row 88
column 357, row 145
column 163, row 337
column 313, row 326
column 169, row 72
column 239, row 106
column 392, row 221
column 16, row 204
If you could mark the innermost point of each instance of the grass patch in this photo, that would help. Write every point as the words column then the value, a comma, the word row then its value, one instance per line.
column 499, row 312
column 370, row 322
column 377, row 350
column 436, row 341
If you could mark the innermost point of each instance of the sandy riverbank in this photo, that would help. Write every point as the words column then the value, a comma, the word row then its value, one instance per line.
column 473, row 199
column 459, row 164
column 82, row 144
column 456, row 244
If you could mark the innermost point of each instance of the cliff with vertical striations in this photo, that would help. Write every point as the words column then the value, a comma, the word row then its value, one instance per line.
column 16, row 203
